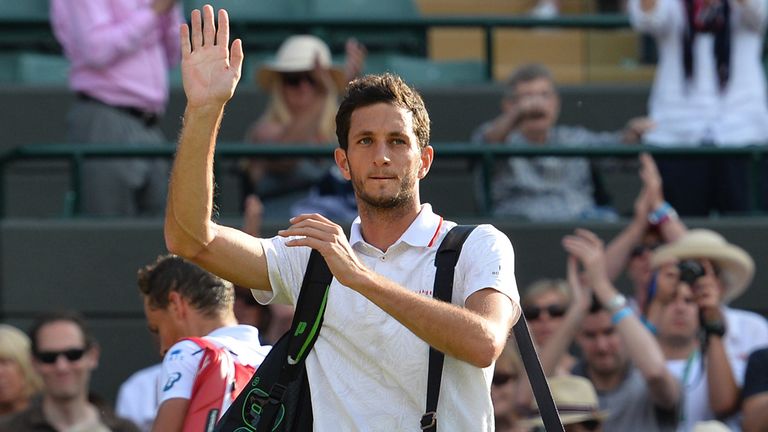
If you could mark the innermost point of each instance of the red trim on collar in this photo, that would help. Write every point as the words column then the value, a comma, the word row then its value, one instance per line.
column 437, row 231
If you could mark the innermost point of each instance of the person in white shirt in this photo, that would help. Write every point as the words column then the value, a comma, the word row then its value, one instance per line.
column 709, row 89
column 368, row 368
column 181, row 300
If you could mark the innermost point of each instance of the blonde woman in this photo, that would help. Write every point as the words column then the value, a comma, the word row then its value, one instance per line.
column 304, row 87
column 18, row 380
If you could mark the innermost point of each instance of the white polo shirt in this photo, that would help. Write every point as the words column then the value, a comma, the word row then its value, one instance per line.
column 369, row 372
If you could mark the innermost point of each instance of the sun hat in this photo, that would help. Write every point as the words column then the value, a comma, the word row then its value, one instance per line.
column 575, row 398
column 300, row 53
column 710, row 426
column 736, row 266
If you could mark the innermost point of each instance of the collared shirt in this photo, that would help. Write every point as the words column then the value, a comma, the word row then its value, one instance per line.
column 689, row 113
column 120, row 51
column 33, row 420
column 367, row 371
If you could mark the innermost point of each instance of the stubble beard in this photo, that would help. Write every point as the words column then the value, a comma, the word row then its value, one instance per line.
column 404, row 195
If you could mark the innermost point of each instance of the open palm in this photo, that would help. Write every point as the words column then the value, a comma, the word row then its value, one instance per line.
column 210, row 74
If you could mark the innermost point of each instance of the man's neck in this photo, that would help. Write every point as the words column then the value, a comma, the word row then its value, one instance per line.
column 676, row 349
column 205, row 326
column 608, row 382
column 382, row 227
column 65, row 413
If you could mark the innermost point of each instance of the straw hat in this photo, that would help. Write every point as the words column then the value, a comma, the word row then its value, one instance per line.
column 300, row 53
column 710, row 426
column 736, row 266
column 575, row 398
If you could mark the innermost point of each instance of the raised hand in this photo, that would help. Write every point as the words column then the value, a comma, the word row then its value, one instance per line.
column 588, row 249
column 209, row 71
column 651, row 178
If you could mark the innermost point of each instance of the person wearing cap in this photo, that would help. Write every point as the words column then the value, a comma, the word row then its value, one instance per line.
column 620, row 356
column 303, row 86
column 577, row 404
column 733, row 268
column 708, row 383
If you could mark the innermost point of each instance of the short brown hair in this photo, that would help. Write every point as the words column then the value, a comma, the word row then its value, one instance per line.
column 525, row 73
column 205, row 291
column 386, row 88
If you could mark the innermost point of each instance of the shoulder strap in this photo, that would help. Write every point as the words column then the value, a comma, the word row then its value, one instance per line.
column 305, row 328
column 538, row 381
column 310, row 308
column 445, row 261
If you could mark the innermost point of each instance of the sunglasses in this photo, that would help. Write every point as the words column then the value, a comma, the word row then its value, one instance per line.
column 50, row 357
column 501, row 378
column 294, row 79
column 534, row 312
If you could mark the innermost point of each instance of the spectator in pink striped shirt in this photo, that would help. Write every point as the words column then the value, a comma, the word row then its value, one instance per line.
column 120, row 53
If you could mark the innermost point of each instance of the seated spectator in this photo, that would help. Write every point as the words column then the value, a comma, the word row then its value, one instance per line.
column 18, row 380
column 709, row 90
column 544, row 188
column 577, row 404
column 655, row 222
column 732, row 273
column 709, row 387
column 304, row 87
column 182, row 300
column 65, row 354
column 755, row 392
column 620, row 356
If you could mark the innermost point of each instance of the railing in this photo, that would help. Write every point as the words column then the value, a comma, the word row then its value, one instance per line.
column 482, row 156
column 36, row 34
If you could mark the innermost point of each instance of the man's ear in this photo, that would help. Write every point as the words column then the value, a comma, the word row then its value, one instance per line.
column 177, row 306
column 340, row 155
column 427, row 156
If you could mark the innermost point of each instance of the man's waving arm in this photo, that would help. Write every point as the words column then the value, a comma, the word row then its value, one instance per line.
column 210, row 74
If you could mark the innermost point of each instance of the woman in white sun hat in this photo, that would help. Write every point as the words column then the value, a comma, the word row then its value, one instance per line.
column 304, row 86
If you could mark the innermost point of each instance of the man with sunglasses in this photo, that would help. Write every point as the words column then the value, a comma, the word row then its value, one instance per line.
column 65, row 354
column 621, row 357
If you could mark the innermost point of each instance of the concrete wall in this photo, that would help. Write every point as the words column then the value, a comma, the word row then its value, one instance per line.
column 91, row 266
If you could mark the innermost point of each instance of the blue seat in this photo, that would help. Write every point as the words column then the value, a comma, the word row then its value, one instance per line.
column 243, row 10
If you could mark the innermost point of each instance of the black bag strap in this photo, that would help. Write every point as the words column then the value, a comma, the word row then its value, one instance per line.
column 547, row 407
column 305, row 328
column 445, row 261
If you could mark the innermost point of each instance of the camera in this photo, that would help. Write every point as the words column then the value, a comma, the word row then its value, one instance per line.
column 690, row 271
